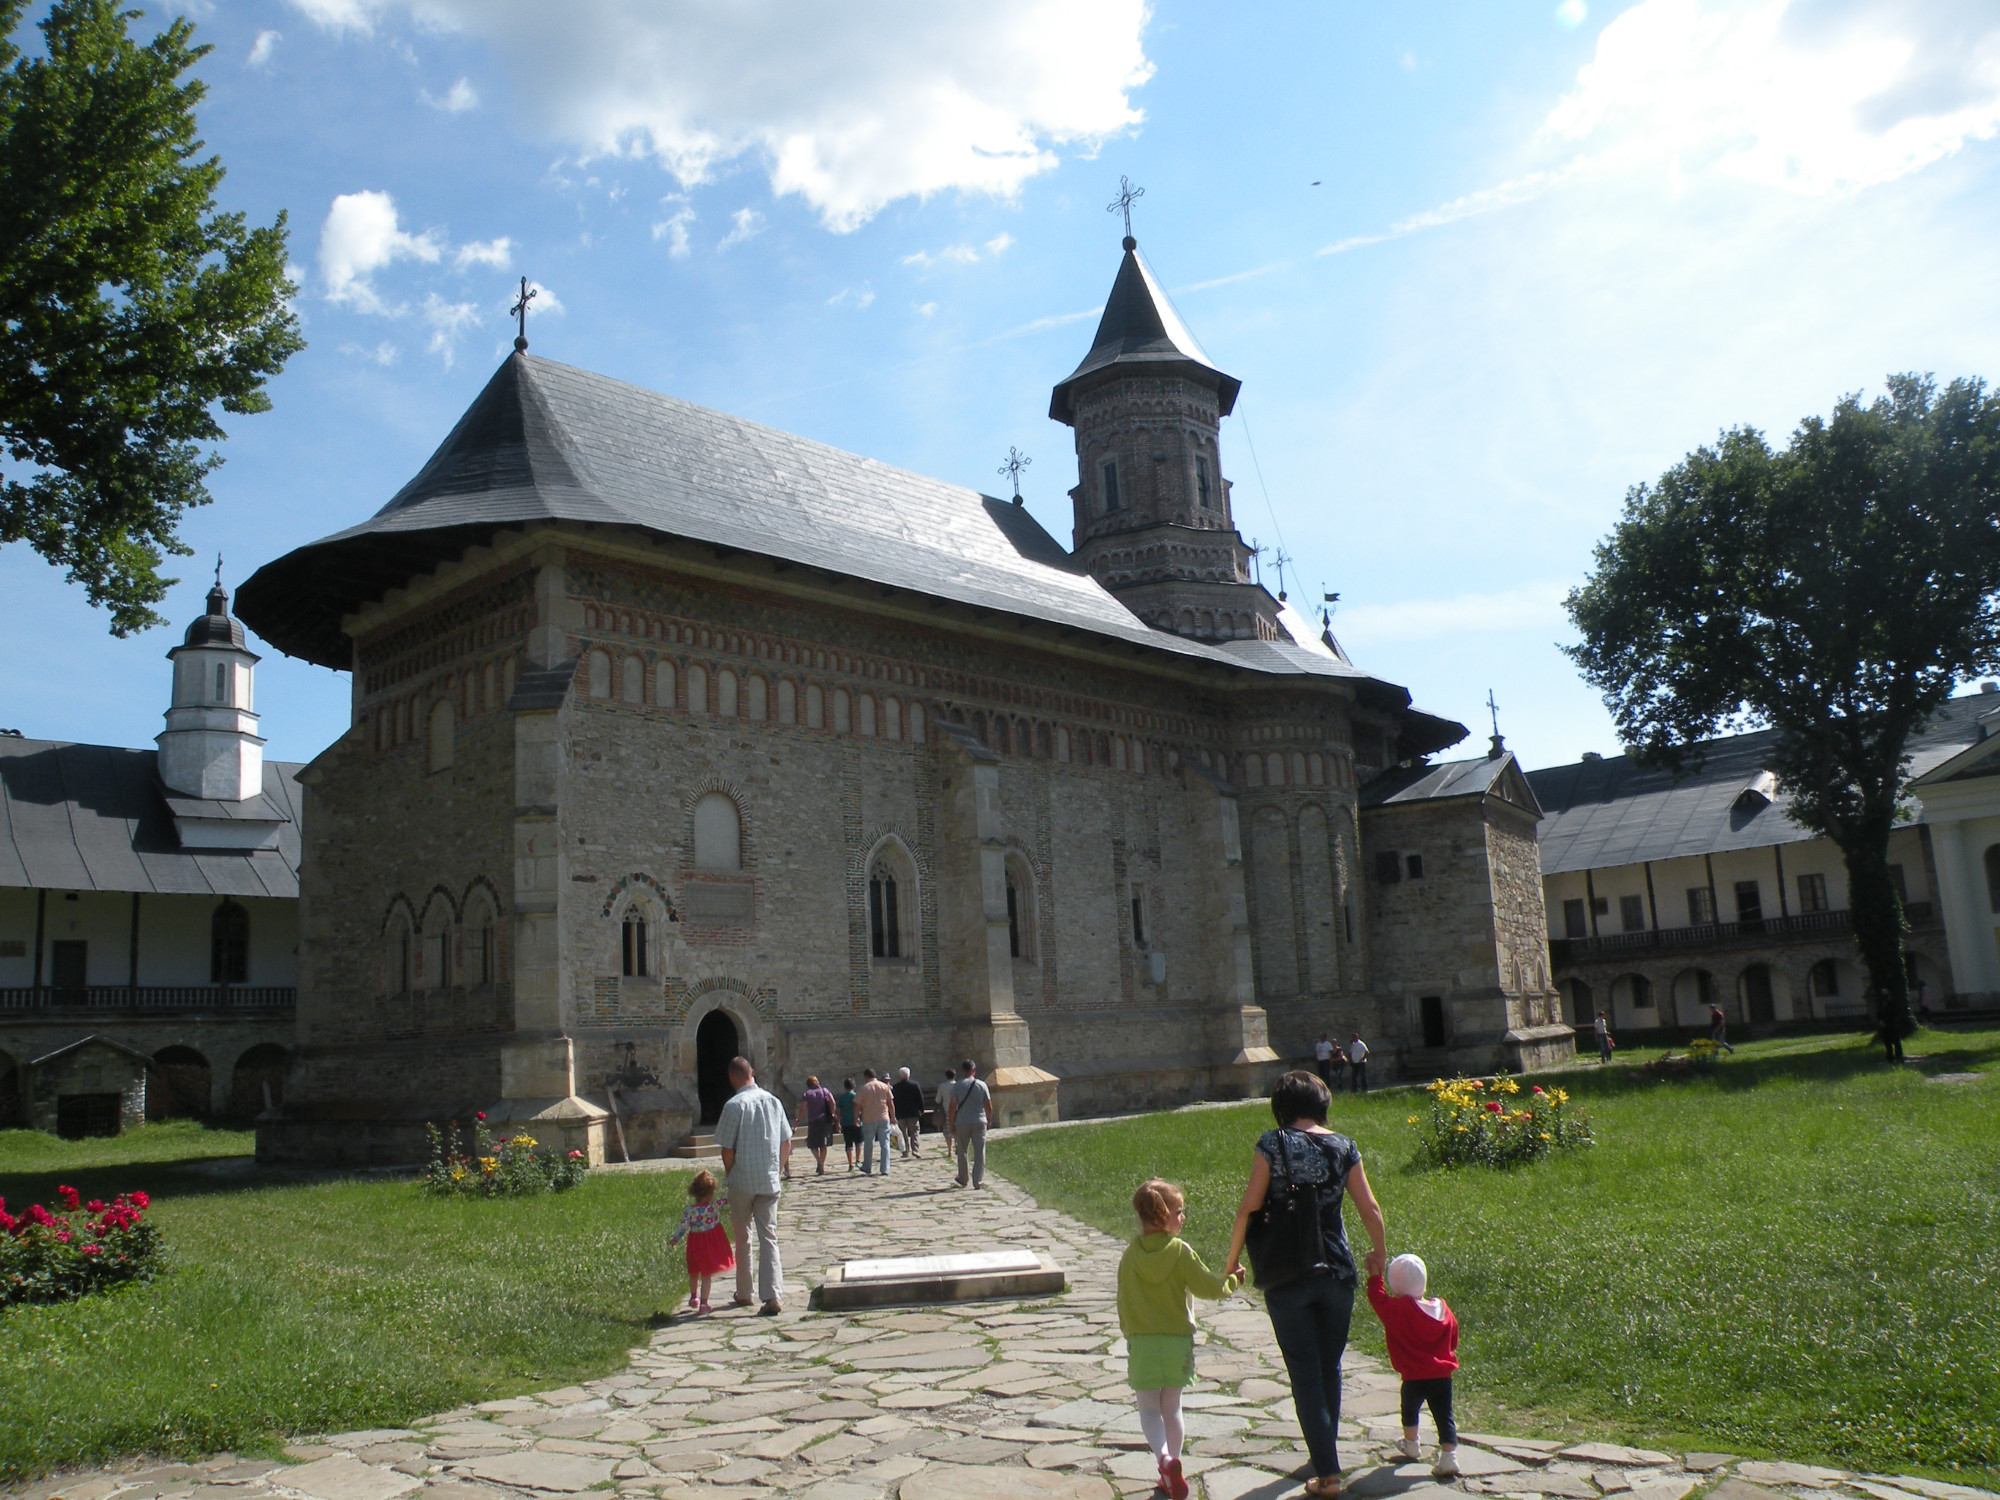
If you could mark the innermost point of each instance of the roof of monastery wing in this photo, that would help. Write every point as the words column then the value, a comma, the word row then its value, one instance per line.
column 1140, row 327
column 546, row 441
column 1497, row 776
column 95, row 818
column 1617, row 811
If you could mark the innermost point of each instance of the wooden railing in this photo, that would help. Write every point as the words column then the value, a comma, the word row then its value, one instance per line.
column 121, row 999
column 1804, row 926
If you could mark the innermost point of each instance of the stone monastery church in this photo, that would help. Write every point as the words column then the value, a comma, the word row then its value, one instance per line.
column 675, row 737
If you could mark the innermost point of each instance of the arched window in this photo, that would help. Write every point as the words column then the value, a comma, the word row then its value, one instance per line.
column 434, row 957
column 663, row 685
column 633, row 950
column 479, row 940
column 1824, row 977
column 718, row 834
column 864, row 718
column 843, row 711
column 597, row 668
column 1993, row 876
column 229, row 945
column 885, row 918
column 634, row 683
column 788, row 701
column 725, row 693
column 815, row 707
column 892, row 719
column 697, row 690
column 757, row 695
column 396, row 957
column 1020, row 908
column 441, row 735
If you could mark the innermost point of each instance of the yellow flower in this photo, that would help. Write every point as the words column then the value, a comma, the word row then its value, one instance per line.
column 526, row 1142
column 1546, row 1136
column 489, row 1164
column 1507, row 1086
column 1411, row 1121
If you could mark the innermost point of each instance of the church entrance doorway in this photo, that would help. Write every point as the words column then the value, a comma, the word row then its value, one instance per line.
column 715, row 1043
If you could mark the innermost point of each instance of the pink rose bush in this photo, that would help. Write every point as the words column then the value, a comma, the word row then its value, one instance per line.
column 83, row 1248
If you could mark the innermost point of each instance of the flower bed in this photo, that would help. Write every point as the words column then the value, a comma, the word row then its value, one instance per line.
column 1700, row 1057
column 83, row 1248
column 1491, row 1123
column 509, row 1167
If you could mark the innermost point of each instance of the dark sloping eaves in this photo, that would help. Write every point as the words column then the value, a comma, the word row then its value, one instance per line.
column 1141, row 332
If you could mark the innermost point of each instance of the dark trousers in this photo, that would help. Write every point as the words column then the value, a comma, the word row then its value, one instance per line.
column 1310, row 1319
column 1437, row 1394
column 1325, row 1071
column 1357, row 1073
column 1604, row 1048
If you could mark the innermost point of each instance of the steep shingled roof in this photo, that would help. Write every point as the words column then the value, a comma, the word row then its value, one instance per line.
column 1140, row 328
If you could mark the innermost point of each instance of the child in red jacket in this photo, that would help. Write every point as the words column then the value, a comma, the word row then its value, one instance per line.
column 1423, row 1347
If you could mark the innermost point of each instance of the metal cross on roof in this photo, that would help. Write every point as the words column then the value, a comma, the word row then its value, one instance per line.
column 520, row 311
column 1284, row 561
column 1122, row 204
column 1494, row 709
column 218, row 570
column 1016, row 462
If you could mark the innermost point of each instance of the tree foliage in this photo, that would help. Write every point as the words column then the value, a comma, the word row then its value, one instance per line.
column 130, row 309
column 1834, row 591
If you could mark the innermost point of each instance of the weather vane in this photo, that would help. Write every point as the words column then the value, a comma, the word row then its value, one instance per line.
column 520, row 311
column 1326, row 604
column 1122, row 204
column 1016, row 462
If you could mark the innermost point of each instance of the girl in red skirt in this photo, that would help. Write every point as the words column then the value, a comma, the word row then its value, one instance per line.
column 708, row 1251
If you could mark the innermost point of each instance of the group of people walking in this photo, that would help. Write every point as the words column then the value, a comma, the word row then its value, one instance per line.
column 1330, row 1060
column 1302, row 1173
column 754, row 1133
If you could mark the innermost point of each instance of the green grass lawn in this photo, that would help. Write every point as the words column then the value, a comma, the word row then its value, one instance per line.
column 316, row 1305
column 1796, row 1257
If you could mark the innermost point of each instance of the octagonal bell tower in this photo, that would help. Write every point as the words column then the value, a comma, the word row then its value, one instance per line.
column 1153, row 518
column 210, row 748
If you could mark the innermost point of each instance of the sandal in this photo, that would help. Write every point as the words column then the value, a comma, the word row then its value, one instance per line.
column 1325, row 1487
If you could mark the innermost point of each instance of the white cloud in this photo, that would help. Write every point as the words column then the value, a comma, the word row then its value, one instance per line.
column 851, row 297
column 456, row 100
column 901, row 98
column 926, row 309
column 960, row 255
column 446, row 321
column 1808, row 97
column 1535, row 606
column 1572, row 13
column 744, row 224
column 674, row 230
column 263, row 47
column 495, row 253
column 383, row 353
column 360, row 237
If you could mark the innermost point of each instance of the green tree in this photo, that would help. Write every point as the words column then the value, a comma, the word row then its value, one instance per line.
column 130, row 309
column 1835, row 591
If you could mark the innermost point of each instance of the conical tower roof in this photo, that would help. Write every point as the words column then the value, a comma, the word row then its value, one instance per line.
column 1141, row 331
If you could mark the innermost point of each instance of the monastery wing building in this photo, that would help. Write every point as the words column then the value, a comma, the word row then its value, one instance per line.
column 675, row 737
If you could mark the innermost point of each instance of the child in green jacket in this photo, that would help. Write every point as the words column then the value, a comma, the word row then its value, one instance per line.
column 1156, row 1276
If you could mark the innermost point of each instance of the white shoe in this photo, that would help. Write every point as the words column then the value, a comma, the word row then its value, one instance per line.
column 1446, row 1466
column 1408, row 1448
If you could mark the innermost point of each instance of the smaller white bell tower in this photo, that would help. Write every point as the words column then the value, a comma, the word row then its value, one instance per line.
column 210, row 748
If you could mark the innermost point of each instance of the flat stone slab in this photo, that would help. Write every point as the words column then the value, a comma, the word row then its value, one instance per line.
column 1702, row 1463
column 1477, row 1463
column 1759, row 1472
column 1238, row 1483
column 562, row 1473
column 922, row 1279
column 344, row 1478
column 1616, row 1453
column 1887, row 1485
column 961, row 1482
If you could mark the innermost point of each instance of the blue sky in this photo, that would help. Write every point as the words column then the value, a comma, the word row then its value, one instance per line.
column 1480, row 266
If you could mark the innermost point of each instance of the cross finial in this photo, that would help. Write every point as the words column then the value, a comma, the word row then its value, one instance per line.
column 1494, row 709
column 1016, row 462
column 1122, row 204
column 520, row 311
column 1284, row 561
column 218, row 570
column 1257, row 560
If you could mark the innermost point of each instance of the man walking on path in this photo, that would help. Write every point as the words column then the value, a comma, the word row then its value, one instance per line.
column 1357, row 1064
column 756, row 1140
column 970, row 1112
column 1718, row 1027
column 909, row 1111
column 878, row 1117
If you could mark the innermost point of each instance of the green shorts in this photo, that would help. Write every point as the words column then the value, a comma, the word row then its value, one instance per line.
column 1159, row 1361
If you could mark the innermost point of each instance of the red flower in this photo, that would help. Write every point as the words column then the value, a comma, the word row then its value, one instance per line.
column 1493, row 1105
column 141, row 1201
column 96, row 1205
column 62, row 1236
column 90, row 1249
column 1538, row 1088
column 71, row 1199
column 576, row 1156
column 40, row 1215
column 480, row 1115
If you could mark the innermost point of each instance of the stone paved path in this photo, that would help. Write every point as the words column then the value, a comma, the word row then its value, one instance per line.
column 983, row 1401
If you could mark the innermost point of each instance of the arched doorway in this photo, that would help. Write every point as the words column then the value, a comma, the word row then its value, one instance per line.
column 180, row 1085
column 715, row 1043
column 258, row 1082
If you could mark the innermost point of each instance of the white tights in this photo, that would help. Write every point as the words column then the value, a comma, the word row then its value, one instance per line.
column 1160, row 1420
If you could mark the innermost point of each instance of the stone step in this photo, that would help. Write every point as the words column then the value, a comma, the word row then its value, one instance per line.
column 702, row 1147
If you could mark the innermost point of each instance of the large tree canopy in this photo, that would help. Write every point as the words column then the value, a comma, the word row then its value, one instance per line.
column 130, row 309
column 1835, row 592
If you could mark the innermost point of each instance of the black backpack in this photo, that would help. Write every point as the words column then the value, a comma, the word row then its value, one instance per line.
column 1285, row 1238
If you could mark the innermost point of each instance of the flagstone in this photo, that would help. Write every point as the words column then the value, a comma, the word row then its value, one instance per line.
column 1759, row 1472
column 956, row 1482
column 1615, row 1453
column 343, row 1478
column 742, row 1471
column 563, row 1473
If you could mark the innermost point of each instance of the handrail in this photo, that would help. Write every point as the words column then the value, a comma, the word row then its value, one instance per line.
column 1812, row 924
column 236, row 999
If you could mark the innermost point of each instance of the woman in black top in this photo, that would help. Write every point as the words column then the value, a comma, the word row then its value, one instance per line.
column 1310, row 1316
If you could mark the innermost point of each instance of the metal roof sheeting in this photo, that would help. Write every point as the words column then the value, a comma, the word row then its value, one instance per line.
column 95, row 818
column 1617, row 811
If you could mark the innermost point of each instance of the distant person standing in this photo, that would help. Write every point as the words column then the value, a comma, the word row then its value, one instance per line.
column 1718, row 1027
column 971, row 1112
column 1357, row 1064
column 1923, row 1003
column 1602, row 1026
column 848, row 1103
column 944, row 1107
column 909, row 1110
column 755, row 1135
column 816, row 1113
column 1323, row 1059
column 878, row 1118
